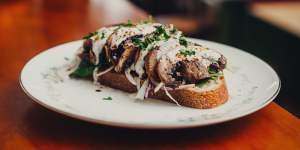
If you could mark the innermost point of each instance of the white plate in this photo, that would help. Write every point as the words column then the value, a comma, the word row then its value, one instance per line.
column 252, row 84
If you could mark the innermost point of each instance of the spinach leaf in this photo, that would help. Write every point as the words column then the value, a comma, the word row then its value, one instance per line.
column 84, row 70
column 202, row 82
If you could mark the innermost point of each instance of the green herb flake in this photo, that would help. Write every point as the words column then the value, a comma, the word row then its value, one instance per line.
column 161, row 31
column 174, row 30
column 66, row 58
column 91, row 34
column 128, row 24
column 187, row 52
column 102, row 35
column 107, row 98
column 183, row 41
column 139, row 43
column 159, row 34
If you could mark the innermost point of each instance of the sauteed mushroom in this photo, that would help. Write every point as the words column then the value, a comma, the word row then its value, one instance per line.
column 193, row 71
column 127, row 57
column 165, row 71
column 150, row 65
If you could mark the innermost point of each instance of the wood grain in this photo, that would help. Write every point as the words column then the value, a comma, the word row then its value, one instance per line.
column 28, row 27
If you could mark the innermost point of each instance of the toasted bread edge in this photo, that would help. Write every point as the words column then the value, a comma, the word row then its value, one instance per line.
column 186, row 97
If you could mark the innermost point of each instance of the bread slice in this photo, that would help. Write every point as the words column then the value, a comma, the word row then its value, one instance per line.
column 211, row 95
column 117, row 81
column 202, row 98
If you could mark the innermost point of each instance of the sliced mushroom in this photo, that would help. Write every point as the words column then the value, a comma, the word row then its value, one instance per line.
column 123, row 55
column 151, row 64
column 165, row 71
column 193, row 71
column 87, row 50
column 107, row 49
column 136, row 57
column 92, row 57
column 222, row 62
column 88, row 45
column 127, row 57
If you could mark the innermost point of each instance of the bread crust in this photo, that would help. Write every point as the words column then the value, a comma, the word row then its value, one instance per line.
column 190, row 97
column 197, row 99
column 117, row 81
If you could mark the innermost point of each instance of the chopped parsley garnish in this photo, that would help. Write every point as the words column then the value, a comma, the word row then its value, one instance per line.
column 187, row 52
column 159, row 34
column 102, row 35
column 173, row 30
column 107, row 98
column 183, row 41
column 161, row 31
column 66, row 58
column 128, row 24
column 91, row 34
column 139, row 43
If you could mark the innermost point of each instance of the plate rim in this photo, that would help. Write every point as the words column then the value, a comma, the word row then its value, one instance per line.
column 149, row 126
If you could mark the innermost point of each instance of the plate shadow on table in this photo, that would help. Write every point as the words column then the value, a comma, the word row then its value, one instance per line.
column 46, row 125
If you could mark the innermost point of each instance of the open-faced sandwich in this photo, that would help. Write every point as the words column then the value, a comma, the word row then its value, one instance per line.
column 153, row 60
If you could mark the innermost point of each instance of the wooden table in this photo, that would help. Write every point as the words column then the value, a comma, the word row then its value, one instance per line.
column 28, row 27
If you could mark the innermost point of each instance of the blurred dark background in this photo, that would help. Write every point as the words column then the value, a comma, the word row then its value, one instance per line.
column 267, row 29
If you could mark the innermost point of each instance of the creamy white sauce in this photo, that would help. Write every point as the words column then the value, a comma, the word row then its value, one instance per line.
column 176, row 35
column 147, row 28
column 100, row 41
column 139, row 66
column 125, row 32
column 169, row 48
column 210, row 55
column 212, row 84
column 122, row 34
column 204, row 55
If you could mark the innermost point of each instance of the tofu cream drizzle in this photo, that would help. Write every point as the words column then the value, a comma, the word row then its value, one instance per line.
column 125, row 32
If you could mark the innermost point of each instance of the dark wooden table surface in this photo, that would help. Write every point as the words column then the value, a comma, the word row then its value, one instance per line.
column 29, row 27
